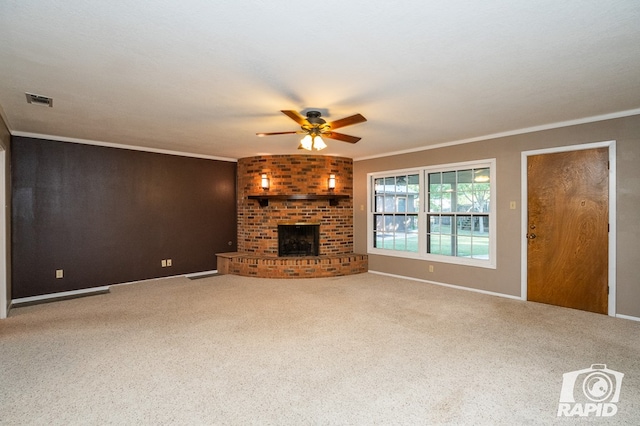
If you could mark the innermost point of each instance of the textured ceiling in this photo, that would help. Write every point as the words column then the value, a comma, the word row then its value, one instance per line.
column 202, row 77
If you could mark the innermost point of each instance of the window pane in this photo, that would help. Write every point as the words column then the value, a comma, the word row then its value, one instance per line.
column 434, row 244
column 401, row 204
column 412, row 203
column 379, row 203
column 464, row 245
column 447, row 245
column 378, row 240
column 464, row 197
column 389, row 204
column 435, row 202
column 481, row 176
column 463, row 224
column 378, row 185
column 480, row 248
column 401, row 184
column 481, row 226
column 435, row 224
column 481, row 193
column 449, row 180
column 465, row 176
column 435, row 182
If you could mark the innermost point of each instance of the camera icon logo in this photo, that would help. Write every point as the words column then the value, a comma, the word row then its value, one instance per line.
column 597, row 386
column 594, row 390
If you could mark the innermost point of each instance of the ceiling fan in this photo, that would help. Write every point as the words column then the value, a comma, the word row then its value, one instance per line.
column 315, row 128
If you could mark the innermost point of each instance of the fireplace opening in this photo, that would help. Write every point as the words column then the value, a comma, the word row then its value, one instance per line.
column 298, row 239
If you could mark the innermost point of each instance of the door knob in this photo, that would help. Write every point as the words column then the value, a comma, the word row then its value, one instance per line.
column 531, row 236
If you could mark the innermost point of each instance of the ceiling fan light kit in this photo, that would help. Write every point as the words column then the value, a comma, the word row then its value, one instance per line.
column 312, row 142
column 314, row 127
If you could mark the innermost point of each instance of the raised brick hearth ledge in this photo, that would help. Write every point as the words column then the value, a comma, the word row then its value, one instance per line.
column 248, row 265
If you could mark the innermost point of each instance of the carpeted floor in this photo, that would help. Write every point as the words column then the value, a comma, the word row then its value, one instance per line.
column 364, row 349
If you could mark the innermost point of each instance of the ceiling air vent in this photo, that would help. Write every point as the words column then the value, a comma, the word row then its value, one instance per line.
column 39, row 99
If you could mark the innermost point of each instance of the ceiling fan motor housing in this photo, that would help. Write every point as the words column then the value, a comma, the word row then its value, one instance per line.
column 313, row 117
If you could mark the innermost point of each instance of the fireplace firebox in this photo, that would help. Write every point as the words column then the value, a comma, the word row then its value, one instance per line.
column 298, row 239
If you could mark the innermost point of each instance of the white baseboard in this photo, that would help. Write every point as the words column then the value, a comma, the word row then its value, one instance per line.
column 15, row 303
column 627, row 317
column 197, row 274
column 458, row 287
column 61, row 295
column 166, row 278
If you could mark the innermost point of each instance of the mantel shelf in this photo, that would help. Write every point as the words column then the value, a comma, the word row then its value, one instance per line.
column 263, row 199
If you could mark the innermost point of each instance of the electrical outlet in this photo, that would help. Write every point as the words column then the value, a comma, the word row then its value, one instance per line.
column 169, row 263
column 163, row 262
column 59, row 273
column 430, row 268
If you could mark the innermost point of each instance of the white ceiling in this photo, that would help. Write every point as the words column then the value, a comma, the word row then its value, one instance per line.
column 203, row 76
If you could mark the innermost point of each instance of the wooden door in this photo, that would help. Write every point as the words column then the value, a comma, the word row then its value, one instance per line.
column 567, row 229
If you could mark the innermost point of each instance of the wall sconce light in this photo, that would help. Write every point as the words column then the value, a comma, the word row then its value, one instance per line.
column 264, row 181
column 332, row 182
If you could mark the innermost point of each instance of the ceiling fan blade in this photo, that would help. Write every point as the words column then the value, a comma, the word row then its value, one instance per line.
column 341, row 137
column 295, row 116
column 347, row 121
column 275, row 133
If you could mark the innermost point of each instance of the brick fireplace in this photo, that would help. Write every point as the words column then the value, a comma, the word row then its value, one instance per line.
column 298, row 193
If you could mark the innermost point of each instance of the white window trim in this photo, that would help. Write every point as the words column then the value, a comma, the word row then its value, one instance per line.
column 422, row 215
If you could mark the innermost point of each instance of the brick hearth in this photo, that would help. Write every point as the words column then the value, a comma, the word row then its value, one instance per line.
column 295, row 176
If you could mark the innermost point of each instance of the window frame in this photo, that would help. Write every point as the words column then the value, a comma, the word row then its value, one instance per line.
column 423, row 213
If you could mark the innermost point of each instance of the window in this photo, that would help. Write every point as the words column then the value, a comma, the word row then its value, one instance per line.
column 458, row 214
column 396, row 205
column 454, row 224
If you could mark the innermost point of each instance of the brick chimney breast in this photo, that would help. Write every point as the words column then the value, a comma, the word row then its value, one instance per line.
column 291, row 175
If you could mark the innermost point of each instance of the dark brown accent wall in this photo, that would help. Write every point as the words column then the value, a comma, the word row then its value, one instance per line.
column 107, row 215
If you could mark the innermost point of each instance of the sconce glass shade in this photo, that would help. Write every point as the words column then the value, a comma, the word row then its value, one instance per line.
column 318, row 143
column 332, row 181
column 264, row 181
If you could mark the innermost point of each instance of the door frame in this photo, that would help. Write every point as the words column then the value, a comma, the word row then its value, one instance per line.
column 612, row 213
column 4, row 243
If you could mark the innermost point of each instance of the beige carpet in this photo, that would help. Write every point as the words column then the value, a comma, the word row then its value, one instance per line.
column 364, row 349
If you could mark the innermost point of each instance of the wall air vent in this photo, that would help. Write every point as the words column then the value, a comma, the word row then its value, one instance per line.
column 39, row 100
